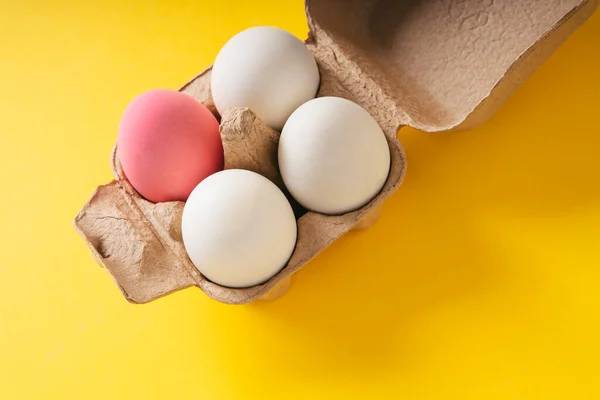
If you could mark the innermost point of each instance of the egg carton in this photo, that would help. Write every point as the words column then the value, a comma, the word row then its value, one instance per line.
column 434, row 65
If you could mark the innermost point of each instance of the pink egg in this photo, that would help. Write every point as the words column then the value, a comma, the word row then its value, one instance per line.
column 168, row 143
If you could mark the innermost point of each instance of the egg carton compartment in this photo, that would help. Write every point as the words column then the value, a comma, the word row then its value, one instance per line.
column 140, row 243
column 433, row 65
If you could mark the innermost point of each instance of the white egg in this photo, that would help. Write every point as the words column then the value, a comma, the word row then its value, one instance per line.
column 333, row 156
column 267, row 70
column 238, row 228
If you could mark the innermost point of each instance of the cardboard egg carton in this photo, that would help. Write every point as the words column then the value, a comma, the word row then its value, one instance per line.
column 434, row 65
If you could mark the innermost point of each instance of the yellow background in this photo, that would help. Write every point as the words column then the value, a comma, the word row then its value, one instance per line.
column 480, row 282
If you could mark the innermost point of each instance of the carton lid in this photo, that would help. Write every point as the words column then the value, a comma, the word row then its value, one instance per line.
column 447, row 63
